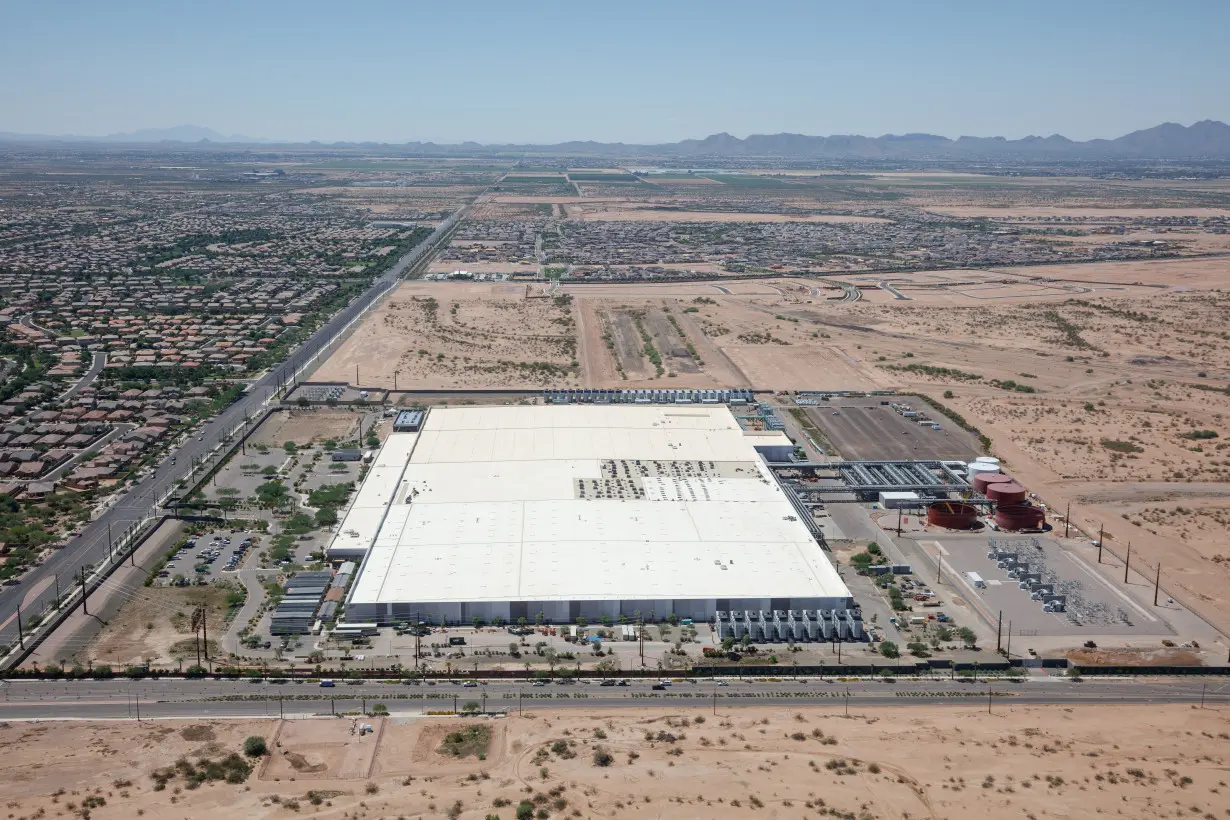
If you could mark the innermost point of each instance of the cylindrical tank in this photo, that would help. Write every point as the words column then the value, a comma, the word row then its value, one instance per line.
column 1006, row 492
column 1019, row 517
column 982, row 480
column 952, row 515
column 976, row 468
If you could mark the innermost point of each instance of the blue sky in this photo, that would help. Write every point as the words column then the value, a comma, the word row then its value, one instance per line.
column 612, row 71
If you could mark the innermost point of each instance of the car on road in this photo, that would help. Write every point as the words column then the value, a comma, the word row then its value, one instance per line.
column 469, row 684
column 539, row 683
column 722, row 683
column 327, row 684
column 607, row 683
column 657, row 687
column 622, row 683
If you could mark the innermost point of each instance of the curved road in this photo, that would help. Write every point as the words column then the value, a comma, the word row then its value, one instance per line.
column 141, row 500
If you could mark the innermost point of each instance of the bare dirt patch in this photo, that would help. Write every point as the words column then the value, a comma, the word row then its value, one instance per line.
column 323, row 749
column 155, row 624
column 305, row 427
column 1134, row 657
column 436, row 335
column 921, row 762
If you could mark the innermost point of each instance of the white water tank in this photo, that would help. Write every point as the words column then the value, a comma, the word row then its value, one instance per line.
column 976, row 467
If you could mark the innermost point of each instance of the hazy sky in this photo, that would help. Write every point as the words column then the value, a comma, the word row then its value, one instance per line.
column 613, row 71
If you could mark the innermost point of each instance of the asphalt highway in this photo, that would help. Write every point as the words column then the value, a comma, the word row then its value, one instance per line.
column 140, row 501
column 174, row 698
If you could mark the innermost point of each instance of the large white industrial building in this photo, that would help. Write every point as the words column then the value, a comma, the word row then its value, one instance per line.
column 579, row 510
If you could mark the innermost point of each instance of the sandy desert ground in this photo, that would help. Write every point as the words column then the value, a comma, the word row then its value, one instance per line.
column 443, row 335
column 907, row 762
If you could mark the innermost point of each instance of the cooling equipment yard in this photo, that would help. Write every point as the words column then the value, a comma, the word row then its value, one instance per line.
column 571, row 511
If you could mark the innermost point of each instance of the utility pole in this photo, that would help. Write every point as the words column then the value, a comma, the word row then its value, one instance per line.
column 939, row 568
column 21, row 637
column 900, row 512
column 847, row 701
column 1127, row 562
column 196, row 632
column 84, row 609
column 715, row 702
column 988, row 697
column 57, row 581
column 999, row 631
column 138, row 707
column 205, row 635
column 1101, row 540
column 110, row 552
column 356, row 375
column 839, row 650
column 1067, row 519
column 1203, row 687
column 1157, row 582
column 1008, row 648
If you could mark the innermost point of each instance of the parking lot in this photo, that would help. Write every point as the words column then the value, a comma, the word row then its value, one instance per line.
column 1094, row 606
column 865, row 430
column 206, row 557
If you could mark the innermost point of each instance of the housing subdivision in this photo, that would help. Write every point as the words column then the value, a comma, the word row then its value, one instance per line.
column 559, row 512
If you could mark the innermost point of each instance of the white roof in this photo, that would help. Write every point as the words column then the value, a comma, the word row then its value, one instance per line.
column 487, row 509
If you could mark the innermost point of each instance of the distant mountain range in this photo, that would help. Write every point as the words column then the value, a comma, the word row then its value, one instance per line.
column 180, row 133
column 1208, row 139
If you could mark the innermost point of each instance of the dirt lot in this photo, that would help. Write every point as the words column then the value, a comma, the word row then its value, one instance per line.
column 436, row 335
column 305, row 427
column 155, row 627
column 905, row 762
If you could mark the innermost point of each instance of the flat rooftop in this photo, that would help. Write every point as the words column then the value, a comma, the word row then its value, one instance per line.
column 571, row 502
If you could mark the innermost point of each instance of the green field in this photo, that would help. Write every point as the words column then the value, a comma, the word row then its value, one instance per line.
column 747, row 180
column 513, row 180
column 599, row 177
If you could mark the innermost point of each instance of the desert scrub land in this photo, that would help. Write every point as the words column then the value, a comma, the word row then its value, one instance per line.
column 462, row 336
column 875, row 764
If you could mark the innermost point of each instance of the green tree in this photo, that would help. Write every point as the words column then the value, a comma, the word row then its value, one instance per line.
column 967, row 636
column 290, row 447
column 254, row 746
column 272, row 494
column 889, row 650
column 326, row 517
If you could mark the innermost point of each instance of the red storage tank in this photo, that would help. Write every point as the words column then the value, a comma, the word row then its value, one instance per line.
column 952, row 515
column 984, row 480
column 1019, row 517
column 1008, row 492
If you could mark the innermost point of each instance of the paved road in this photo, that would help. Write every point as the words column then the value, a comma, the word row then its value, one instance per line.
column 252, row 580
column 184, row 698
column 141, row 500
column 96, row 366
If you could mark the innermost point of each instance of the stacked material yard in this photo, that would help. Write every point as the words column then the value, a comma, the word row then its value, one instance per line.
column 296, row 611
